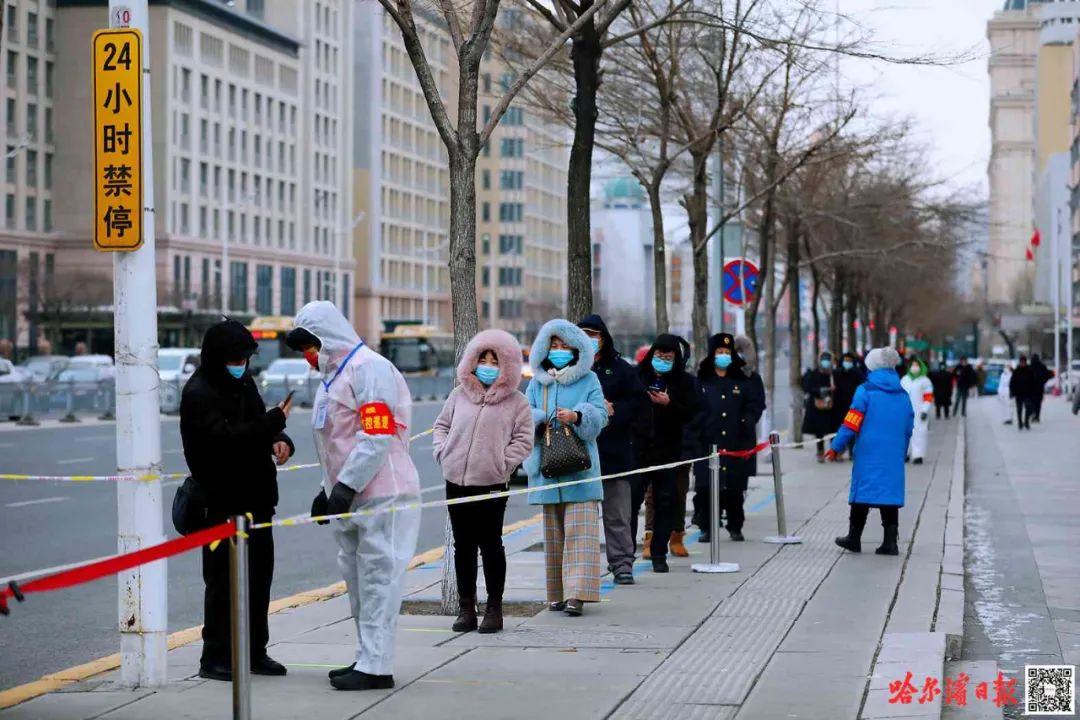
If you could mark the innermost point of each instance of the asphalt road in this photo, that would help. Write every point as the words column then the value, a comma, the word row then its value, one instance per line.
column 48, row 524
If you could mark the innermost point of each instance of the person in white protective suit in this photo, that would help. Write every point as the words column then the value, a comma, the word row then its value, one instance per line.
column 921, row 393
column 1004, row 396
column 360, row 418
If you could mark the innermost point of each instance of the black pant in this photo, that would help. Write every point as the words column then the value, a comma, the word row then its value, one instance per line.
column 1037, row 403
column 663, row 495
column 939, row 406
column 217, row 600
column 961, row 402
column 820, row 445
column 731, row 502
column 890, row 514
column 478, row 526
column 1024, row 412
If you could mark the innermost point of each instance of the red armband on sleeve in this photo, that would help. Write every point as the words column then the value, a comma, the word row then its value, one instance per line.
column 853, row 420
column 377, row 419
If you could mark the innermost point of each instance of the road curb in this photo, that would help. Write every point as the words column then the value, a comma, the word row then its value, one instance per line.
column 949, row 617
column 55, row 681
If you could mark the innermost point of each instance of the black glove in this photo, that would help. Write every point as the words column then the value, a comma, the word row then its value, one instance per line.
column 923, row 416
column 318, row 507
column 341, row 498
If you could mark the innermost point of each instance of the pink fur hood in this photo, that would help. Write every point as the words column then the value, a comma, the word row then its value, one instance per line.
column 507, row 350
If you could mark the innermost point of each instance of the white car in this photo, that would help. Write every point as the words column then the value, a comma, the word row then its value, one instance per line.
column 11, row 373
column 289, row 374
column 101, row 362
column 175, row 368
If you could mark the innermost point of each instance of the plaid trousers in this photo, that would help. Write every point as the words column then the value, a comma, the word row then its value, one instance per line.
column 572, row 551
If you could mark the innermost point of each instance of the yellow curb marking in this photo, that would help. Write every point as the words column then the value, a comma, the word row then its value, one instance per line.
column 55, row 681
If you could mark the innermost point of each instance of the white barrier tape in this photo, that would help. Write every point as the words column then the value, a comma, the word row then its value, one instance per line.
column 51, row 571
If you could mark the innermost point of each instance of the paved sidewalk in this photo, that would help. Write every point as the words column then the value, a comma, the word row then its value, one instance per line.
column 795, row 634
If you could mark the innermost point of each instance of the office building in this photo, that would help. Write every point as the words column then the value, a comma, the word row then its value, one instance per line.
column 623, row 268
column 28, row 101
column 400, row 176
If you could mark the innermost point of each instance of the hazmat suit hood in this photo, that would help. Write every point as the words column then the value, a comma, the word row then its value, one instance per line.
column 225, row 341
column 334, row 332
column 922, row 368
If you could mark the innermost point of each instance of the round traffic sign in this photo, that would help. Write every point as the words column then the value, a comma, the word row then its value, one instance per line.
column 740, row 281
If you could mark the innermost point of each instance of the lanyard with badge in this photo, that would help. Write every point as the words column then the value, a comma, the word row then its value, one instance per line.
column 318, row 419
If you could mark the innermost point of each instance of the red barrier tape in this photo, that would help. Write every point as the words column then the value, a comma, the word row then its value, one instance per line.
column 114, row 565
column 760, row 447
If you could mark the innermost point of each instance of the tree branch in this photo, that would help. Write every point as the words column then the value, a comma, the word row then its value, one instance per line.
column 508, row 97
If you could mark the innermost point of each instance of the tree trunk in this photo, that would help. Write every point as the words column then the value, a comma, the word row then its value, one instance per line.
column 816, row 290
column 659, row 258
column 770, row 333
column 836, row 315
column 697, row 215
column 585, row 54
column 795, row 327
column 852, row 306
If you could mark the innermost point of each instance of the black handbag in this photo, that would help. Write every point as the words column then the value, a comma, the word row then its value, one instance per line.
column 189, row 510
column 562, row 452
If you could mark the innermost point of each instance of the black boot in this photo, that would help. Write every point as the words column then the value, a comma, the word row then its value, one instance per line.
column 493, row 617
column 889, row 547
column 853, row 540
column 466, row 619
column 356, row 680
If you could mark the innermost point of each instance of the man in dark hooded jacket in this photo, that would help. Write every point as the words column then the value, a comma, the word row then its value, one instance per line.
column 671, row 394
column 627, row 406
column 231, row 442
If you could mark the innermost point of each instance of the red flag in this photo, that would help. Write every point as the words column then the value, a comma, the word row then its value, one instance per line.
column 1030, row 255
column 1036, row 238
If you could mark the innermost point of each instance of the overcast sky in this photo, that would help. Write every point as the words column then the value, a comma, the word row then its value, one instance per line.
column 950, row 105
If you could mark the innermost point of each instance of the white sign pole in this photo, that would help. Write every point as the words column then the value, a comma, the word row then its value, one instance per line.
column 143, row 609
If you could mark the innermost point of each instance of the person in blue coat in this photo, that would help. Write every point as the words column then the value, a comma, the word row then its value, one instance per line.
column 565, row 395
column 879, row 423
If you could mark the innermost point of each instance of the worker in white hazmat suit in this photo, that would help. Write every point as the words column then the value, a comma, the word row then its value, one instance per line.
column 921, row 393
column 360, row 418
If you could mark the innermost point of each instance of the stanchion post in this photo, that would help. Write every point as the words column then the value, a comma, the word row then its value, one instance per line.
column 714, row 565
column 107, row 394
column 27, row 417
column 241, row 622
column 70, row 416
column 781, row 538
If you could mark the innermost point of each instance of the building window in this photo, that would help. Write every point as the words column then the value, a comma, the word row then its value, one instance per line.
column 187, row 276
column 48, row 171
column 46, row 215
column 512, row 180
column 485, row 179
column 31, row 168
column 32, row 75
column 11, row 155
column 12, row 69
column 11, row 122
column 485, row 212
column 288, row 291
column 307, row 286
column 511, row 212
column 12, row 23
column 345, row 295
column 31, row 213
column 264, row 289
column 238, row 288
column 31, row 120
column 32, row 29
column 49, row 79
column 50, row 35
column 9, row 210
column 512, row 147
column 204, row 285
column 48, row 125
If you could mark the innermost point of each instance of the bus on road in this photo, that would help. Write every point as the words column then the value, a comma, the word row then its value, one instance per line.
column 269, row 332
column 414, row 348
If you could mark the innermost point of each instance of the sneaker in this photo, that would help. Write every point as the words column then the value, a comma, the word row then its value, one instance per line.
column 659, row 565
column 267, row 665
column 736, row 535
column 557, row 606
column 216, row 671
column 341, row 671
column 356, row 680
column 624, row 578
column 574, row 608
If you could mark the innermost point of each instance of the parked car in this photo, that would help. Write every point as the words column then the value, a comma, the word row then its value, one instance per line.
column 104, row 362
column 291, row 373
column 46, row 367
column 11, row 379
column 11, row 373
column 84, row 382
column 175, row 367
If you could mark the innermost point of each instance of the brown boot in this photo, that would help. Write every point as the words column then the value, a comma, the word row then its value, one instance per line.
column 646, row 553
column 493, row 617
column 676, row 545
column 466, row 619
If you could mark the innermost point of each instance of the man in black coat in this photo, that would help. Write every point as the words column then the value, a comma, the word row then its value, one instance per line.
column 820, row 417
column 626, row 405
column 1042, row 375
column 1022, row 388
column 231, row 443
column 728, row 411
column 966, row 379
column 942, row 380
column 674, row 404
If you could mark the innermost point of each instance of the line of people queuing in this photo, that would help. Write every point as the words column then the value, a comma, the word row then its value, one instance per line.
column 586, row 413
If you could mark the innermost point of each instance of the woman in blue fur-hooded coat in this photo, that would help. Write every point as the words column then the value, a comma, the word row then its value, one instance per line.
column 565, row 393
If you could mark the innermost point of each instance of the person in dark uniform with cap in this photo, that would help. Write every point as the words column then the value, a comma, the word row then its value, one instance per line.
column 729, row 410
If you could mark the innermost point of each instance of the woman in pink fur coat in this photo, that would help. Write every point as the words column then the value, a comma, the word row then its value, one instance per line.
column 483, row 433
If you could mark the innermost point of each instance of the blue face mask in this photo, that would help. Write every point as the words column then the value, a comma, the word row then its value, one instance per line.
column 662, row 366
column 237, row 371
column 848, row 365
column 487, row 373
column 595, row 345
column 826, row 364
column 561, row 358
column 722, row 361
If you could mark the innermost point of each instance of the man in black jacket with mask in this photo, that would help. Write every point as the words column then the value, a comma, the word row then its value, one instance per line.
column 674, row 404
column 626, row 404
column 231, row 442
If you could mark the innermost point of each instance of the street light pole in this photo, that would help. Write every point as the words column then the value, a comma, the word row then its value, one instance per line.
column 1056, row 295
column 143, row 604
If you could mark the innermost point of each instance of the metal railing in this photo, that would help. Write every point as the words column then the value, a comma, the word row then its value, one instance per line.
column 28, row 402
